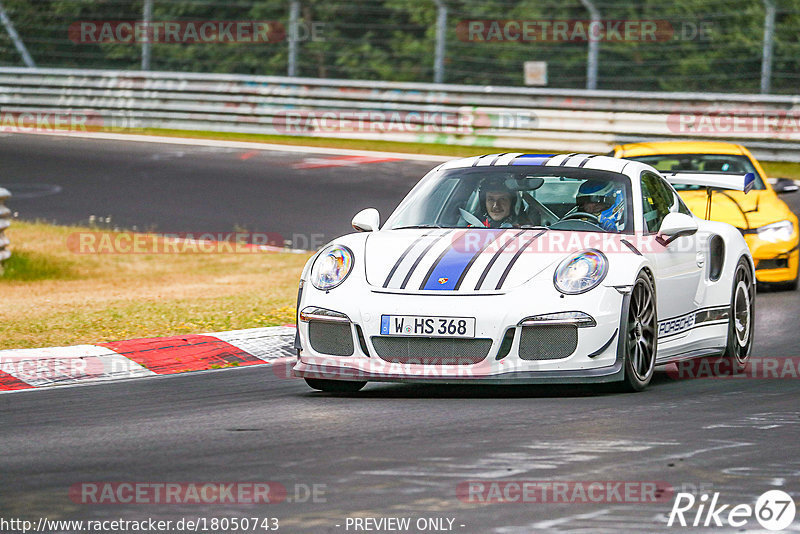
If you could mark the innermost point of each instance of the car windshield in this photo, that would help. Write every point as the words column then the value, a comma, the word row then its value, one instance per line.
column 519, row 197
column 719, row 163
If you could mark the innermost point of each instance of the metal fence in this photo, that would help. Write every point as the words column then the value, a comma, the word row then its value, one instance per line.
column 716, row 45
column 485, row 116
column 5, row 216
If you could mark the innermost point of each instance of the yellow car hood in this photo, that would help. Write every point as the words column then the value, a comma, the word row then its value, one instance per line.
column 762, row 207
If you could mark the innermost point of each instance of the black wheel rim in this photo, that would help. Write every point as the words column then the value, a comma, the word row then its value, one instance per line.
column 742, row 308
column 641, row 331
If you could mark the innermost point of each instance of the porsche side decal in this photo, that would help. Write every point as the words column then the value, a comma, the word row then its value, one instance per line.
column 683, row 323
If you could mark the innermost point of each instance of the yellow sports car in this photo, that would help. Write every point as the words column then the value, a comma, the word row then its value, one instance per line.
column 769, row 226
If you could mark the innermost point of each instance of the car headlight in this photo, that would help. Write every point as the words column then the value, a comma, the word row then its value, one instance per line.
column 331, row 267
column 775, row 232
column 580, row 272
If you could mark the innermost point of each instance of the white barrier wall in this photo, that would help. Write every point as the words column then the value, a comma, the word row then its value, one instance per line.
column 528, row 118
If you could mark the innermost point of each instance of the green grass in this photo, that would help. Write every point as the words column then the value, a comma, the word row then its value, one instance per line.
column 28, row 266
column 781, row 169
column 52, row 295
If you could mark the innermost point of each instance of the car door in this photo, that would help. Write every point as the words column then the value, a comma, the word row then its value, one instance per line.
column 679, row 265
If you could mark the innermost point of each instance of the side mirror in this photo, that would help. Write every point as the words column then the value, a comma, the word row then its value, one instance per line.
column 785, row 185
column 676, row 225
column 368, row 220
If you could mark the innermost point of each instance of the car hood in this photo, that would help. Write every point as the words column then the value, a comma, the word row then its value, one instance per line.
column 761, row 207
column 464, row 260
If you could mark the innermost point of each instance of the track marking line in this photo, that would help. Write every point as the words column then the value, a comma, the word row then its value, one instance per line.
column 339, row 161
column 246, row 145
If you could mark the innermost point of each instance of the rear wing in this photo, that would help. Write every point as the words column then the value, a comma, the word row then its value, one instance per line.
column 737, row 182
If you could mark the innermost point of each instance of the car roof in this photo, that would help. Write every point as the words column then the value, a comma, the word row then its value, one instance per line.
column 588, row 161
column 679, row 147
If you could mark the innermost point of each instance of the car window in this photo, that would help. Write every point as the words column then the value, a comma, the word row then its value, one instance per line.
column 677, row 202
column 658, row 199
column 518, row 197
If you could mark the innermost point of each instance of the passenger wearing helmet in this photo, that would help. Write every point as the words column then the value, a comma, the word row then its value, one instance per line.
column 604, row 201
column 497, row 204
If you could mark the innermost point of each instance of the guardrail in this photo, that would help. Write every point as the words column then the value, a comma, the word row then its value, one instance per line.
column 487, row 116
column 5, row 216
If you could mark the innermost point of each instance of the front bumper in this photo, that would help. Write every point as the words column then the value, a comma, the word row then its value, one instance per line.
column 360, row 353
column 613, row 373
column 775, row 262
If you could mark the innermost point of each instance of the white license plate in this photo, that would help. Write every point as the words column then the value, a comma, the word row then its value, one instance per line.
column 419, row 325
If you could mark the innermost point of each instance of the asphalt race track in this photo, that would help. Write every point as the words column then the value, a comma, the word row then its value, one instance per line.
column 391, row 450
column 196, row 189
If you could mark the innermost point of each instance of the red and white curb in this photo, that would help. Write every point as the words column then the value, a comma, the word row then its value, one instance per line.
column 56, row 366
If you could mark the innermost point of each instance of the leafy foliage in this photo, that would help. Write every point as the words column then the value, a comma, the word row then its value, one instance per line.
column 715, row 45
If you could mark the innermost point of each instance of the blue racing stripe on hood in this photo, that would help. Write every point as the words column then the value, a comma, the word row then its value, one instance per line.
column 531, row 159
column 445, row 273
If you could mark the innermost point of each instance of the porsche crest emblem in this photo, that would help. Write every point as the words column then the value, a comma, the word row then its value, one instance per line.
column 443, row 280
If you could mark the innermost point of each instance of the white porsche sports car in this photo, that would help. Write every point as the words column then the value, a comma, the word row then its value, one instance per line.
column 522, row 268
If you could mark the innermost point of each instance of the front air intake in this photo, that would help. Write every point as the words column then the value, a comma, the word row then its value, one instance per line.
column 548, row 342
column 431, row 351
column 335, row 339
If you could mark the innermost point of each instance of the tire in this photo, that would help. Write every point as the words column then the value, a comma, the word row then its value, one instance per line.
column 788, row 286
column 335, row 386
column 742, row 318
column 640, row 339
column 792, row 286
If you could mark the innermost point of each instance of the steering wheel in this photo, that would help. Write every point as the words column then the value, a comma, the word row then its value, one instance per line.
column 582, row 215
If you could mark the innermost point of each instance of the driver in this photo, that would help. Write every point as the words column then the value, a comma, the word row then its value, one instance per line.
column 603, row 200
column 497, row 203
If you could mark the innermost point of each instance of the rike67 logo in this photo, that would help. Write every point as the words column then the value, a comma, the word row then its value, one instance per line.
column 774, row 510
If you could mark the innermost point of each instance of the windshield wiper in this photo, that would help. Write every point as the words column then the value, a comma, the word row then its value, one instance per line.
column 418, row 226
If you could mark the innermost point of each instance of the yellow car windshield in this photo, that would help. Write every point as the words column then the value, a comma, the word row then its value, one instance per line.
column 719, row 163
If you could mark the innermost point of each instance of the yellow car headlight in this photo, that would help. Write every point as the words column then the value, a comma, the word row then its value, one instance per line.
column 776, row 232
